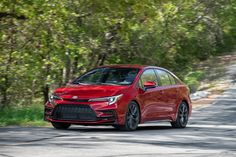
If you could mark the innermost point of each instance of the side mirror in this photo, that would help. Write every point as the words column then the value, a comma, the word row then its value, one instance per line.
column 149, row 84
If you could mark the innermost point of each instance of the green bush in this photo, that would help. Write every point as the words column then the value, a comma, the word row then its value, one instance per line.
column 26, row 116
column 192, row 79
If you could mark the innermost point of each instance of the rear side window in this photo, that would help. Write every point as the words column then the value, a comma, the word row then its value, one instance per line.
column 172, row 79
column 148, row 75
column 164, row 77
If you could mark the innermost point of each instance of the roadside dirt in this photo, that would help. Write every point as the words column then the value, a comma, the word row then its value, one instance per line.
column 220, row 75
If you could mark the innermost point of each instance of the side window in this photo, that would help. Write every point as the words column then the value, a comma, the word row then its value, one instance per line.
column 148, row 75
column 164, row 77
column 172, row 79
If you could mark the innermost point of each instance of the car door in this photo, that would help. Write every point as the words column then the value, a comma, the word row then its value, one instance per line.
column 174, row 93
column 150, row 98
column 169, row 93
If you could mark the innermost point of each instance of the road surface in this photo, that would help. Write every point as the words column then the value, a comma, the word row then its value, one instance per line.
column 211, row 132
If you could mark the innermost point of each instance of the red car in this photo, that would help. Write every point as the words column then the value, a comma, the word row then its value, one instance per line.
column 122, row 96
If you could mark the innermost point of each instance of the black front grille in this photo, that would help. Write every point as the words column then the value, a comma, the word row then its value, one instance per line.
column 74, row 112
column 77, row 100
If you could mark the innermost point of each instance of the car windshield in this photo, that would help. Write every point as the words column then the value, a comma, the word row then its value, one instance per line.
column 108, row 76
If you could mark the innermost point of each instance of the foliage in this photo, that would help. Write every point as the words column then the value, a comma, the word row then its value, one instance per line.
column 193, row 78
column 32, row 115
column 45, row 44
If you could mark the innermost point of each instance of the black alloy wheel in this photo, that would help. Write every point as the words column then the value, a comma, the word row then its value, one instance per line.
column 132, row 117
column 182, row 116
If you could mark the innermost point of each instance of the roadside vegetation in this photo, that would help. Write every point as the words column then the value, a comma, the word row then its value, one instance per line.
column 22, row 115
column 210, row 73
column 45, row 44
column 193, row 78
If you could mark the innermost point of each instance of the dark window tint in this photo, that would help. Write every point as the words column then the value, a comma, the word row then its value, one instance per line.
column 164, row 77
column 148, row 75
column 116, row 76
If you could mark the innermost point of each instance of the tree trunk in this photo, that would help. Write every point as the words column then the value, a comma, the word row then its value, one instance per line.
column 7, row 83
column 75, row 67
column 67, row 69
column 45, row 92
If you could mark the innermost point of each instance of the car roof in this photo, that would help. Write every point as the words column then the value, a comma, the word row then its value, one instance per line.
column 143, row 67
column 137, row 66
column 129, row 66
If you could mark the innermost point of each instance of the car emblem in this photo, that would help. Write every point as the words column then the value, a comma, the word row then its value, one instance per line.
column 75, row 97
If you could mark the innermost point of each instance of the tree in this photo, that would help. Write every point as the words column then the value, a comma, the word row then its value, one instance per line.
column 45, row 44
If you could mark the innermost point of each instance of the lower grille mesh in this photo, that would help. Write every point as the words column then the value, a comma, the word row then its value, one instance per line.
column 74, row 112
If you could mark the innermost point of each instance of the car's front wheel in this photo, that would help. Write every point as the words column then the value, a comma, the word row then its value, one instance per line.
column 61, row 126
column 132, row 117
column 182, row 116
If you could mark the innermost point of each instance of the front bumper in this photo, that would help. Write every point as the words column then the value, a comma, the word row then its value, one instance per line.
column 81, row 113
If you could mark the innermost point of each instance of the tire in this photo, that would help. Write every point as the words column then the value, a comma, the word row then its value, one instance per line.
column 182, row 116
column 132, row 117
column 61, row 126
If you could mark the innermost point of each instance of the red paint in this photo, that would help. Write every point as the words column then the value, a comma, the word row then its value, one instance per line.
column 158, row 103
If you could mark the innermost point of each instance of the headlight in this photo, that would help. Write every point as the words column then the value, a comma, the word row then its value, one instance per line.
column 111, row 100
column 53, row 97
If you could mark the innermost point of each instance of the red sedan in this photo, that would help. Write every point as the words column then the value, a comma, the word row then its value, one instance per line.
column 122, row 96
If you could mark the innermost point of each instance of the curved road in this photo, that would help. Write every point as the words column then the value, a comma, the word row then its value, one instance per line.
column 211, row 132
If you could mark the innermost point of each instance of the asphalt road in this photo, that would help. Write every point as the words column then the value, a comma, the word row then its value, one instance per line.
column 211, row 132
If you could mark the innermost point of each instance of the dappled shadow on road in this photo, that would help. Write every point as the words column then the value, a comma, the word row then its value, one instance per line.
column 199, row 137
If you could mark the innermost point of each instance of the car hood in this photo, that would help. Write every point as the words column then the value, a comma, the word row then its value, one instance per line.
column 89, row 91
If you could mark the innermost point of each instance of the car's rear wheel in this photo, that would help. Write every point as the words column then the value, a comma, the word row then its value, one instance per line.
column 61, row 126
column 182, row 116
